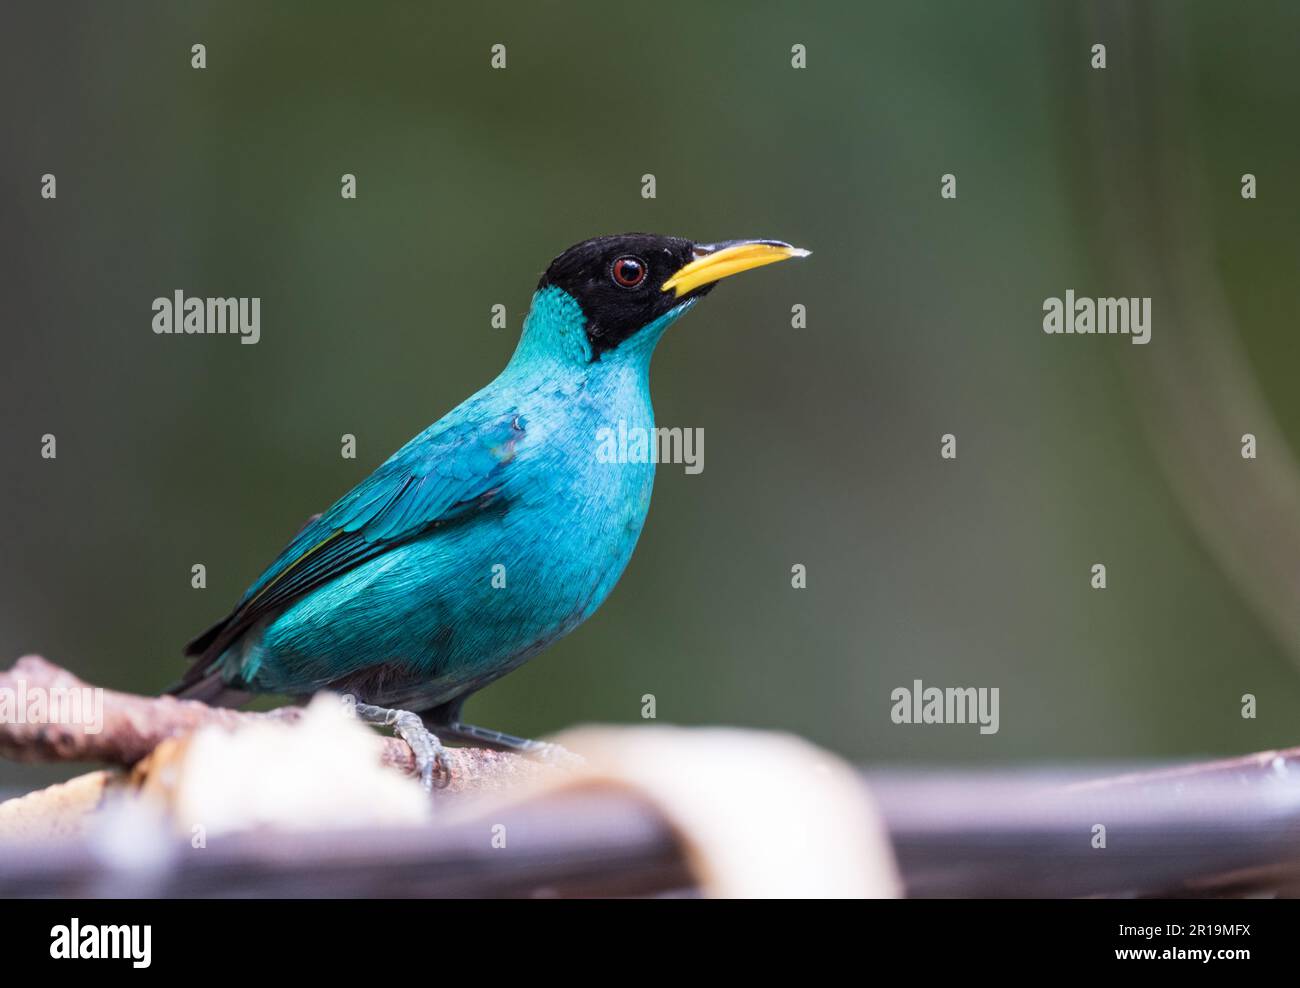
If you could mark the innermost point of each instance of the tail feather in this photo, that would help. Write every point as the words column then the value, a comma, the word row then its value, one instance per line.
column 203, row 680
column 210, row 688
column 205, row 641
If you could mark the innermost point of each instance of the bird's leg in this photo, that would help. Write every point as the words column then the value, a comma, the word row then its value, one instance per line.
column 507, row 742
column 430, row 755
column 494, row 739
column 446, row 721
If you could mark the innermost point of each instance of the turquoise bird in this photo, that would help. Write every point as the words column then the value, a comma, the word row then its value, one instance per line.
column 491, row 534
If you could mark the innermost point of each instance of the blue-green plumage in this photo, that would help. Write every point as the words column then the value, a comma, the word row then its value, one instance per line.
column 495, row 531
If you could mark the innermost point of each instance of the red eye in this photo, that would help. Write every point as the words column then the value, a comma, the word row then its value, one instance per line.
column 628, row 272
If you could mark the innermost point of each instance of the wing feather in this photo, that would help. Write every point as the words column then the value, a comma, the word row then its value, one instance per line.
column 448, row 470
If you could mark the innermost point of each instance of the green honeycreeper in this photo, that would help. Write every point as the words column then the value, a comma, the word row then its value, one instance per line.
column 389, row 596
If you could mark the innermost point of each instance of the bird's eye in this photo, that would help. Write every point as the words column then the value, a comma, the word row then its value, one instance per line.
column 628, row 272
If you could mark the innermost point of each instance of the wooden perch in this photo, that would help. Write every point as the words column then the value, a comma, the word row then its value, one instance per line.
column 133, row 726
column 1229, row 827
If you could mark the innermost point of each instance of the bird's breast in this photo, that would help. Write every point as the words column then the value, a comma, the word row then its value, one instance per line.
column 590, row 474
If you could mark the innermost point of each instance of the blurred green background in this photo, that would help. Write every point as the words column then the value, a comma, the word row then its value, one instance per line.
column 822, row 444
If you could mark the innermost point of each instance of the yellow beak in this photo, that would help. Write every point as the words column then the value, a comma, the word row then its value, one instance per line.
column 713, row 262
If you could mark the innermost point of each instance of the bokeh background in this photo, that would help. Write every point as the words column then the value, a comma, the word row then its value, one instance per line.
column 822, row 444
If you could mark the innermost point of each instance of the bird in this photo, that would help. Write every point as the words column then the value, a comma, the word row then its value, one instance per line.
column 492, row 533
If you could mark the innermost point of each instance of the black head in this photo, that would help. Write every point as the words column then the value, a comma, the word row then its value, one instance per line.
column 626, row 282
column 619, row 281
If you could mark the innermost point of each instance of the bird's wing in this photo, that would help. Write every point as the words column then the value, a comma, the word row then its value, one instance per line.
column 442, row 474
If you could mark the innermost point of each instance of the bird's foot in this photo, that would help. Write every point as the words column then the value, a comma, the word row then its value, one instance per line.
column 542, row 750
column 431, row 760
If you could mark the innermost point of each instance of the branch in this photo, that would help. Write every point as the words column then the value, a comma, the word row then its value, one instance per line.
column 1227, row 827
column 133, row 726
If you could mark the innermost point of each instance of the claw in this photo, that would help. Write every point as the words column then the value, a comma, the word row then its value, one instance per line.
column 431, row 761
column 430, row 756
